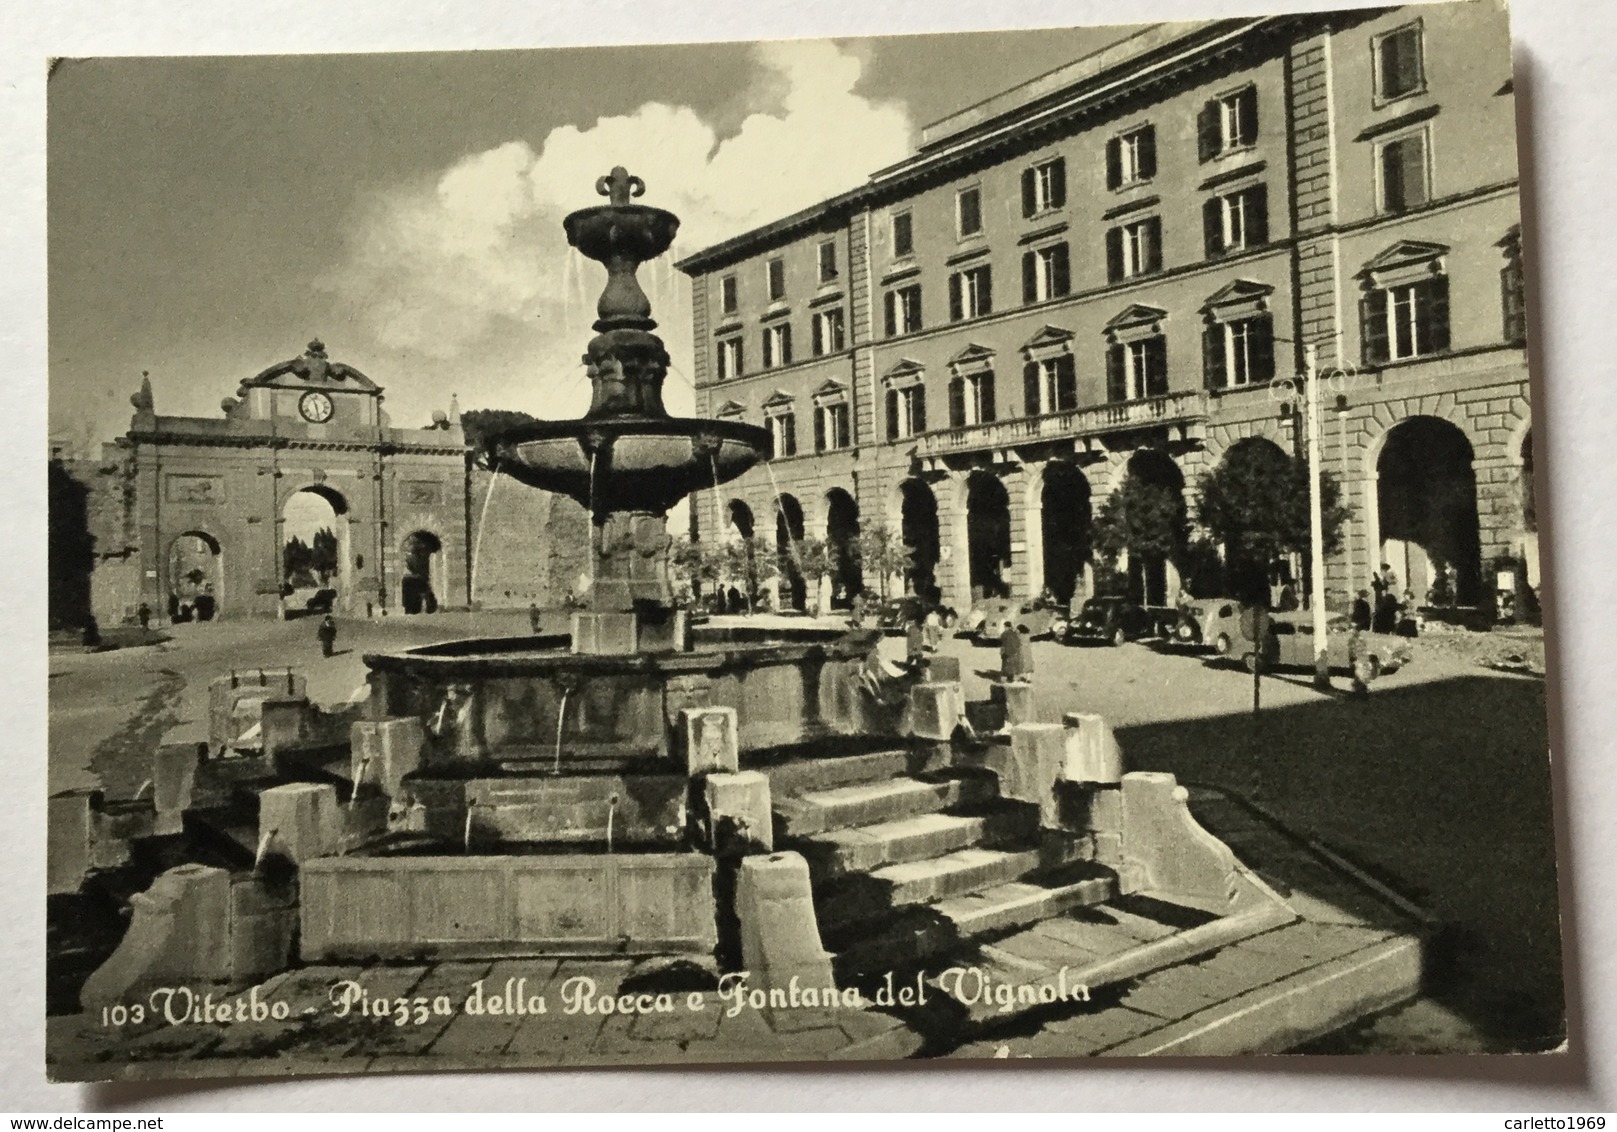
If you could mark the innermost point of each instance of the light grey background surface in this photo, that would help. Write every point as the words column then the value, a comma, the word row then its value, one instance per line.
column 1566, row 59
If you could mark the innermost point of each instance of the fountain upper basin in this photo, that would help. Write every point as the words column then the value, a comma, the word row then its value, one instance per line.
column 641, row 463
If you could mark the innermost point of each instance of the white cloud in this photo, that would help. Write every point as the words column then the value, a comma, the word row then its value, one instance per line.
column 473, row 269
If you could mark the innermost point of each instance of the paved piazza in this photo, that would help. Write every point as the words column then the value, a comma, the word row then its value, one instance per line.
column 1437, row 784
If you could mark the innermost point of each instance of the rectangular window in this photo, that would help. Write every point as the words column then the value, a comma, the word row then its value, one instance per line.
column 903, row 234
column 903, row 310
column 1134, row 249
column 971, row 293
column 969, row 211
column 1239, row 353
column 1044, row 187
column 831, row 427
column 906, row 412
column 727, row 294
column 777, row 345
column 828, row 332
column 1404, row 175
column 1137, row 370
column 1410, row 320
column 777, row 280
column 1227, row 123
column 782, row 435
column 1398, row 63
column 971, row 399
column 828, row 261
column 1236, row 221
column 1050, row 385
column 1046, row 273
column 729, row 358
column 1131, row 158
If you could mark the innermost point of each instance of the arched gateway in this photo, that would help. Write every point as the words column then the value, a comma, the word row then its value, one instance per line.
column 304, row 447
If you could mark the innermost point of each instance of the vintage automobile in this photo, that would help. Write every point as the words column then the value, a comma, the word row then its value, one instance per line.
column 1041, row 619
column 1213, row 623
column 895, row 614
column 1111, row 620
column 1291, row 645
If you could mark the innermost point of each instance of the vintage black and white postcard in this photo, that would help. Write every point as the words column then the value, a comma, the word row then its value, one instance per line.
column 995, row 545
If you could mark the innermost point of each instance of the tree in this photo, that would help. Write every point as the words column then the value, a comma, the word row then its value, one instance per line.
column 814, row 559
column 481, row 425
column 323, row 556
column 1256, row 503
column 1143, row 518
column 883, row 553
column 295, row 563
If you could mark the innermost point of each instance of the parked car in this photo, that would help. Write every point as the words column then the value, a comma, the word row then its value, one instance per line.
column 1040, row 618
column 895, row 614
column 1112, row 620
column 1291, row 645
column 1213, row 623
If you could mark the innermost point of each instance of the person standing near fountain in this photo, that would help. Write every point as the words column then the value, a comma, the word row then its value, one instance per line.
column 327, row 633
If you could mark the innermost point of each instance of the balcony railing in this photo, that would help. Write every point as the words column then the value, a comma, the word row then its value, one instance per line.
column 1175, row 408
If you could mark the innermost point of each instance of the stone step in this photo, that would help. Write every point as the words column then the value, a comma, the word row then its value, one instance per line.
column 917, row 934
column 805, row 775
column 869, row 803
column 875, row 894
column 864, row 849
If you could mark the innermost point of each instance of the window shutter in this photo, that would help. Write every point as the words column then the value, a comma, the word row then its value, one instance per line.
column 1248, row 115
column 1208, row 138
column 817, row 334
column 1066, row 382
column 1058, row 183
column 912, row 309
column 819, row 429
column 1030, row 277
column 786, row 344
column 1213, row 227
column 957, row 402
column 985, row 291
column 1153, row 243
column 918, row 409
column 1156, row 367
column 1030, row 192
column 1435, row 315
column 956, row 305
column 790, row 421
column 1114, row 254
column 892, row 414
column 740, row 366
column 985, row 396
column 890, row 305
column 1062, row 283
column 1392, row 177
column 1114, row 163
column 1413, row 153
column 1030, row 389
column 1373, row 326
column 1262, row 346
column 1257, row 216
column 1148, row 153
column 1513, row 296
column 1117, row 382
column 1213, row 369
column 769, row 349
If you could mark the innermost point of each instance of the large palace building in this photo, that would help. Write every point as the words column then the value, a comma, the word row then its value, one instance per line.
column 1100, row 274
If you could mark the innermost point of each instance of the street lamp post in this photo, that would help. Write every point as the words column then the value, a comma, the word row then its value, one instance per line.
column 1316, row 519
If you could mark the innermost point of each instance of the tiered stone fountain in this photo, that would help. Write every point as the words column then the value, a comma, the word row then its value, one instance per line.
column 644, row 787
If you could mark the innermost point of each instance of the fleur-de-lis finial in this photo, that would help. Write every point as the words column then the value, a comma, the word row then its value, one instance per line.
column 619, row 185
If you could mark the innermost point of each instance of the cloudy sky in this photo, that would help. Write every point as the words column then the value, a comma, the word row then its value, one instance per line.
column 208, row 216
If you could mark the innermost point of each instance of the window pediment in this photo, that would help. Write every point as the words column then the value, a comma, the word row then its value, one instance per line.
column 972, row 359
column 777, row 401
column 1049, row 340
column 905, row 372
column 830, row 393
column 730, row 409
column 1134, row 322
column 1241, row 298
column 1405, row 262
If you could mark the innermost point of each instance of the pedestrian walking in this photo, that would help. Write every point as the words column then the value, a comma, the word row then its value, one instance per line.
column 915, row 643
column 144, row 613
column 934, row 630
column 1361, row 612
column 1015, row 654
column 533, row 616
column 327, row 634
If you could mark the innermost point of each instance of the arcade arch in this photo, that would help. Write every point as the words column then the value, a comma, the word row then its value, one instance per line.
column 788, row 534
column 315, row 559
column 422, row 578
column 1153, row 579
column 195, row 577
column 842, row 547
column 988, row 536
column 1426, row 510
column 1066, row 513
column 919, row 531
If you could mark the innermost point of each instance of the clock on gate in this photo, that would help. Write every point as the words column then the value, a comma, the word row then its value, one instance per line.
column 315, row 407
